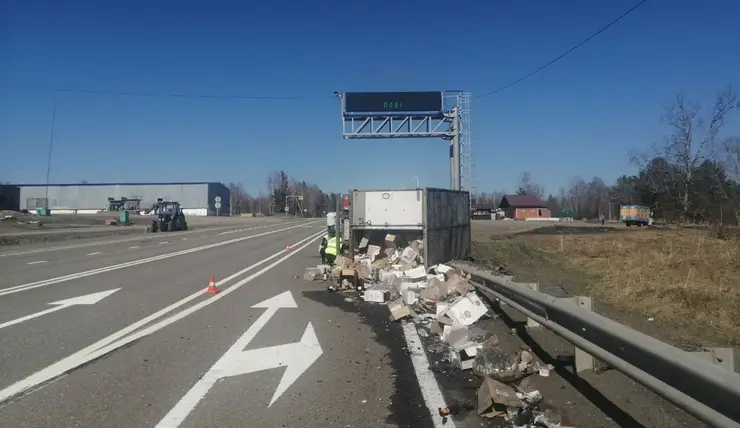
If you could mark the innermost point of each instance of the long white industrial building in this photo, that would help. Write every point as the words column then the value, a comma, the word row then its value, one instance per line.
column 196, row 199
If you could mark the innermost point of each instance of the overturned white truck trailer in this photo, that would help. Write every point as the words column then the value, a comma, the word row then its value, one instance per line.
column 440, row 217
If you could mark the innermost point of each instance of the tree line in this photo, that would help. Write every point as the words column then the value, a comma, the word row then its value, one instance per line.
column 692, row 176
column 301, row 198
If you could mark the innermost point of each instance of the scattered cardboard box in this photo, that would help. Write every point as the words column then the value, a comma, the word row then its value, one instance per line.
column 494, row 398
column 376, row 296
column 398, row 309
column 467, row 309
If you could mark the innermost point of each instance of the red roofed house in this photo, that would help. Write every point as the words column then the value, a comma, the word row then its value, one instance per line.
column 521, row 207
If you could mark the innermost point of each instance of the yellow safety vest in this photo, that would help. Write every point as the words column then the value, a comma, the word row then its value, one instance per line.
column 331, row 245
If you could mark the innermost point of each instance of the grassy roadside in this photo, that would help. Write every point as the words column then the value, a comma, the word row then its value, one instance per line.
column 681, row 280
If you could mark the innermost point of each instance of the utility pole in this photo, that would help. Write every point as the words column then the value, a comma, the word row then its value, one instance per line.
column 48, row 161
column 455, row 150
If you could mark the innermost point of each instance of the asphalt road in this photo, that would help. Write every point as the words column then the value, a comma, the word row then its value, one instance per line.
column 131, row 358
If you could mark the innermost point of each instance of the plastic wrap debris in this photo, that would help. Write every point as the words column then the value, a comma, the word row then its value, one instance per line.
column 491, row 360
column 454, row 334
column 462, row 355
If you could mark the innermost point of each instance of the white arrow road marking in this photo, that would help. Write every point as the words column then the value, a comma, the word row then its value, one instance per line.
column 134, row 331
column 296, row 357
column 87, row 299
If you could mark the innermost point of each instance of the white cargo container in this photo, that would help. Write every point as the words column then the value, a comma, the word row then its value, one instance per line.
column 440, row 216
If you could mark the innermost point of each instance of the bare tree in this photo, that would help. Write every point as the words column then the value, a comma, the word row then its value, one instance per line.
column 731, row 152
column 489, row 198
column 528, row 187
column 692, row 141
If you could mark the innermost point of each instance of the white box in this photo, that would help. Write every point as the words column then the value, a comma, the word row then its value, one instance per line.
column 466, row 310
column 376, row 296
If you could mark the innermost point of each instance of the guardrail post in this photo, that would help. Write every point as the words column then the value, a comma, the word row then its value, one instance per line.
column 507, row 279
column 584, row 361
column 536, row 288
column 728, row 358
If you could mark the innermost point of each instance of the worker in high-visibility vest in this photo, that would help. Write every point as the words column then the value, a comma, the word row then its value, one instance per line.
column 328, row 249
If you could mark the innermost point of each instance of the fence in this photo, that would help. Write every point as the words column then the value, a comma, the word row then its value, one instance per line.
column 691, row 381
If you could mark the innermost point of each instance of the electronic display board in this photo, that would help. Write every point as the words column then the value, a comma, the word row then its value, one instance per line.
column 388, row 102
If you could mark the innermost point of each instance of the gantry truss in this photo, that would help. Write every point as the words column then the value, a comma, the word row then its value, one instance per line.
column 453, row 124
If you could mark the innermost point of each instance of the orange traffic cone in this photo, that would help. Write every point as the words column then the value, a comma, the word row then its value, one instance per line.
column 212, row 286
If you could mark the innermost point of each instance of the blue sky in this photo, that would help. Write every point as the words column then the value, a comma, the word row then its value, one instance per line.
column 578, row 117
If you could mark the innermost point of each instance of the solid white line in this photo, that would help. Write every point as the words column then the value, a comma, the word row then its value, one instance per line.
column 112, row 342
column 36, row 262
column 165, row 242
column 135, row 246
column 32, row 316
column 147, row 237
column 429, row 387
column 32, row 285
column 93, row 254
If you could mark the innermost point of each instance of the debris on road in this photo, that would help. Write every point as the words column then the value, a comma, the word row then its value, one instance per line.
column 444, row 306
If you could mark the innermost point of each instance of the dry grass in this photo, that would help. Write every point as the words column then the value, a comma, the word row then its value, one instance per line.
column 682, row 277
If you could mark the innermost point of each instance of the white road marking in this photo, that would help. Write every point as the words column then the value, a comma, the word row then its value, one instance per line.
column 184, row 239
column 44, row 283
column 135, row 246
column 298, row 357
column 138, row 238
column 93, row 254
column 429, row 387
column 87, row 299
column 165, row 242
column 112, row 342
column 36, row 262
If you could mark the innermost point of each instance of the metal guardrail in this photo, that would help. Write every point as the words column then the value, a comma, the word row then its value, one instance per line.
column 708, row 391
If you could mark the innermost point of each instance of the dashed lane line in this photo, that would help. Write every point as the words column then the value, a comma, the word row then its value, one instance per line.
column 44, row 283
column 137, row 238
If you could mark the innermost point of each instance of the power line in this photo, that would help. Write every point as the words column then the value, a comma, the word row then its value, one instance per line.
column 270, row 97
column 162, row 94
column 566, row 53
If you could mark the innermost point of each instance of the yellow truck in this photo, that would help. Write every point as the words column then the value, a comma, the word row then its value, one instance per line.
column 638, row 215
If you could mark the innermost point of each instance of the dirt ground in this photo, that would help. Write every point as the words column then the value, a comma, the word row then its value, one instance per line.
column 681, row 286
